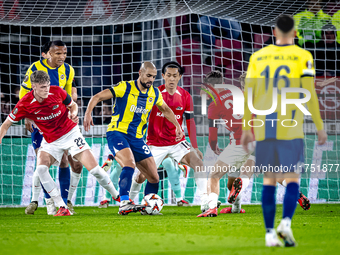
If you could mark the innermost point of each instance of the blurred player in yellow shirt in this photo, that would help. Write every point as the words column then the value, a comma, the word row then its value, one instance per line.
column 280, row 146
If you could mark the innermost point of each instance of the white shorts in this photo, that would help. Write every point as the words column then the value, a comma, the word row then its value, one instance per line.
column 176, row 152
column 235, row 156
column 73, row 141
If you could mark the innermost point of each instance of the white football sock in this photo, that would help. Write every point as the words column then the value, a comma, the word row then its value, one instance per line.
column 179, row 199
column 202, row 188
column 245, row 182
column 49, row 185
column 36, row 186
column 236, row 206
column 104, row 180
column 75, row 177
column 135, row 188
column 213, row 198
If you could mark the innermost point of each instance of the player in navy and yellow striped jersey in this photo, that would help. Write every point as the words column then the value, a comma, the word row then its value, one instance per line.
column 280, row 147
column 62, row 75
column 133, row 103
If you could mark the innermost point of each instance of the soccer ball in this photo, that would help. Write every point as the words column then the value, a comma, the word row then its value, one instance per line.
column 153, row 204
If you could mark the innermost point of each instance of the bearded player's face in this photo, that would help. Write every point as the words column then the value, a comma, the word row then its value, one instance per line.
column 147, row 77
column 58, row 55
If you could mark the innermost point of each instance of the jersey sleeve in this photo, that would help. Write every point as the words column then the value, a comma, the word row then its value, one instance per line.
column 68, row 86
column 159, row 99
column 26, row 85
column 249, row 83
column 118, row 90
column 18, row 113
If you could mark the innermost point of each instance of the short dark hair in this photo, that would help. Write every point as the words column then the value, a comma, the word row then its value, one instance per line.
column 46, row 47
column 40, row 77
column 57, row 43
column 172, row 64
column 285, row 23
column 214, row 77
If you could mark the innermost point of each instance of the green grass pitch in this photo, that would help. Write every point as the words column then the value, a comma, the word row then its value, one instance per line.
column 177, row 231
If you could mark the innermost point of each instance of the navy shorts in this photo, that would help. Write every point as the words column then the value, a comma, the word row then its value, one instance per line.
column 280, row 155
column 36, row 138
column 118, row 141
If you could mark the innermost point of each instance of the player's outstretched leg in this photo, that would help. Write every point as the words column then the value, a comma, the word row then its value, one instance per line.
column 114, row 177
column 172, row 171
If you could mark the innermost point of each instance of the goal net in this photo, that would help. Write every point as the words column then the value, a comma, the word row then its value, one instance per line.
column 108, row 40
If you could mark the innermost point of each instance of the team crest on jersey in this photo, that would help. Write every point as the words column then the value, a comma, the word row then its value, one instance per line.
column 150, row 99
column 55, row 107
column 309, row 64
column 179, row 108
column 15, row 111
column 26, row 78
column 62, row 77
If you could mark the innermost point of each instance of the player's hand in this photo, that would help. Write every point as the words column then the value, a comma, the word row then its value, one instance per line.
column 179, row 133
column 29, row 124
column 218, row 151
column 73, row 116
column 88, row 122
column 322, row 137
column 199, row 153
column 246, row 138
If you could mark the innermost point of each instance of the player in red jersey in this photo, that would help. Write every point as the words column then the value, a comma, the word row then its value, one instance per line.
column 55, row 115
column 233, row 160
column 161, row 133
column 240, row 162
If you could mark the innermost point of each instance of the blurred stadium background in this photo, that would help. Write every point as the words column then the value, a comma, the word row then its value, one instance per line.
column 108, row 40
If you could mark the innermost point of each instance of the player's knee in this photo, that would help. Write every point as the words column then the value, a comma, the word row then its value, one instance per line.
column 41, row 169
column 167, row 164
column 153, row 179
column 77, row 167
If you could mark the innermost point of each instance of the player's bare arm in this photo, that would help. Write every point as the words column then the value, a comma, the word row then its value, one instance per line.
column 169, row 114
column 73, row 112
column 101, row 96
column 4, row 128
column 74, row 94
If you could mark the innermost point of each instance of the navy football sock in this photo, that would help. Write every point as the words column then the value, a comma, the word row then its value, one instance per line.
column 268, row 205
column 151, row 188
column 125, row 182
column 290, row 200
column 64, row 182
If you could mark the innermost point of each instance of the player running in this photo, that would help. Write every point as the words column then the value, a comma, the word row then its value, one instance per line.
column 161, row 133
column 62, row 75
column 133, row 103
column 55, row 115
column 278, row 146
column 233, row 160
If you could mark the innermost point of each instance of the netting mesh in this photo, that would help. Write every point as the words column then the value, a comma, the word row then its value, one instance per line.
column 108, row 40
